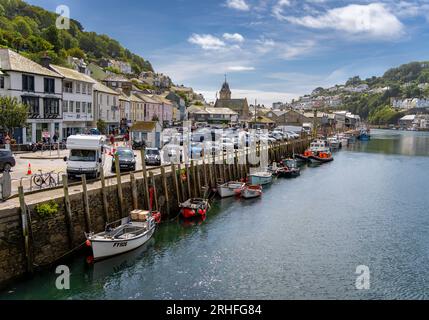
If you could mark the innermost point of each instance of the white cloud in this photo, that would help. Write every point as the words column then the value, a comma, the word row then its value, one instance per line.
column 278, row 8
column 236, row 37
column 373, row 20
column 238, row 5
column 240, row 68
column 207, row 41
column 298, row 49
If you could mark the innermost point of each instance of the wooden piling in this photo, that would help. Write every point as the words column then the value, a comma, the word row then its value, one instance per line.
column 67, row 211
column 119, row 185
column 134, row 193
column 86, row 204
column 166, row 195
column 26, row 226
column 155, row 194
column 104, row 196
column 175, row 182
column 197, row 169
column 182, row 186
column 145, row 179
column 188, row 181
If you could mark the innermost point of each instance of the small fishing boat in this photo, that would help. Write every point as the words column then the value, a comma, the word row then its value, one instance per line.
column 315, row 147
column 251, row 191
column 343, row 140
column 334, row 143
column 123, row 235
column 194, row 208
column 364, row 135
column 230, row 189
column 261, row 178
column 293, row 168
column 322, row 156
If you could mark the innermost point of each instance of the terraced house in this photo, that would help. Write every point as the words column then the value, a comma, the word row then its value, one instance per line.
column 106, row 107
column 36, row 86
column 78, row 112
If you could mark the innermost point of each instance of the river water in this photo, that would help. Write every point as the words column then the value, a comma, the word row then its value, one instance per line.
column 303, row 240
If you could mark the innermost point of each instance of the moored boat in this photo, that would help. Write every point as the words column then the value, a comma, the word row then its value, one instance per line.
column 194, row 208
column 261, row 178
column 293, row 167
column 251, row 191
column 123, row 235
column 230, row 189
column 322, row 157
column 315, row 147
column 334, row 143
column 364, row 135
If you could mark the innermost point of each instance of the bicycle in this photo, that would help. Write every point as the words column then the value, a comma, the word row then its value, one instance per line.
column 44, row 179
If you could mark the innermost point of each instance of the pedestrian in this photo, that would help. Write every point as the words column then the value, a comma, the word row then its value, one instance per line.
column 112, row 139
column 7, row 141
column 55, row 138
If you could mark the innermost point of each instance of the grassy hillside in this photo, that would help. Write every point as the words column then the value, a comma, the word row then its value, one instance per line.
column 31, row 31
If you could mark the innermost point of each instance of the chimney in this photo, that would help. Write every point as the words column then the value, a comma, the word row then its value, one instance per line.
column 46, row 61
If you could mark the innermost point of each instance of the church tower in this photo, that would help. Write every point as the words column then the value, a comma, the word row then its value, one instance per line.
column 225, row 92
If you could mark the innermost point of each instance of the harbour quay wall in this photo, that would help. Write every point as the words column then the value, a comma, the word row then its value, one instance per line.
column 32, row 238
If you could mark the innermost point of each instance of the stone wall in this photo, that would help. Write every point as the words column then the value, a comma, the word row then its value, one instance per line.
column 50, row 237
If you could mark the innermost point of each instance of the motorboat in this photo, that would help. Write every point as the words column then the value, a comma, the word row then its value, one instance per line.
column 230, row 189
column 195, row 207
column 123, row 235
column 251, row 191
column 261, row 178
column 334, row 143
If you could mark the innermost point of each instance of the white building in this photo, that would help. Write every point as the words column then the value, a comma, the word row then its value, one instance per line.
column 106, row 106
column 37, row 87
column 78, row 113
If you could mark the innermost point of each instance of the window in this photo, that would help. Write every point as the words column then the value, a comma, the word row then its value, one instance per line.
column 68, row 86
column 77, row 107
column 83, row 88
column 83, row 107
column 71, row 106
column 89, row 107
column 27, row 83
column 49, row 85
column 65, row 106
column 32, row 103
column 89, row 89
column 82, row 155
column 107, row 115
column 77, row 87
column 108, row 99
column 51, row 107
column 1, row 82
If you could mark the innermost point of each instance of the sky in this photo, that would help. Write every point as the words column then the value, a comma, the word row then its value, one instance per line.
column 270, row 50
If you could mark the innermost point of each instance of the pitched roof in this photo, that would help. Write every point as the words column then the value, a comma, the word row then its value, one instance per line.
column 102, row 88
column 146, row 98
column 224, row 111
column 261, row 119
column 233, row 104
column 116, row 78
column 147, row 126
column 72, row 74
column 135, row 98
column 12, row 61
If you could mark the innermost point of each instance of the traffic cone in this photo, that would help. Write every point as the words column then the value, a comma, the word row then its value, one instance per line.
column 29, row 173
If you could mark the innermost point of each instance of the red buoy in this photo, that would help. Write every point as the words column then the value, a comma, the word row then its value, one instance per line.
column 88, row 243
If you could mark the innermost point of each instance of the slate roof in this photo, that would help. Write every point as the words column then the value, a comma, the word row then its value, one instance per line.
column 144, row 126
column 72, row 74
column 102, row 88
column 12, row 61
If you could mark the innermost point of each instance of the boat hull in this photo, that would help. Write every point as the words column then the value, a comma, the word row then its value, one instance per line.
column 302, row 158
column 315, row 159
column 251, row 193
column 103, row 249
column 229, row 190
column 260, row 180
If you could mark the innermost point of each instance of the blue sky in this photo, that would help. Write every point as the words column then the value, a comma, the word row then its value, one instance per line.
column 271, row 50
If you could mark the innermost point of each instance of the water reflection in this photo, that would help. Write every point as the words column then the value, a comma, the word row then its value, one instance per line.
column 395, row 142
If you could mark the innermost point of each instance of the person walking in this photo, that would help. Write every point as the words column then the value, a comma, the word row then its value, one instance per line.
column 112, row 139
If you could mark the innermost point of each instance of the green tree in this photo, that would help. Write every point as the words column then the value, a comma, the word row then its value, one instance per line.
column 77, row 53
column 13, row 114
column 102, row 126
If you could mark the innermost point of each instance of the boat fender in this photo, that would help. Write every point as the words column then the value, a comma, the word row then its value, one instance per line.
column 88, row 243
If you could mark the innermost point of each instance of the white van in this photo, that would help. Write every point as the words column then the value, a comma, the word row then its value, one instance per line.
column 86, row 155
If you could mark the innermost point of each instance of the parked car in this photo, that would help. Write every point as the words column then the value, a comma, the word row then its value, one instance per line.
column 7, row 160
column 152, row 157
column 127, row 160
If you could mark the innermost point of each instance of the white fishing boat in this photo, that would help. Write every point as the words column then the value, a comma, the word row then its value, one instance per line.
column 251, row 191
column 230, row 189
column 344, row 140
column 334, row 143
column 261, row 178
column 129, row 234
